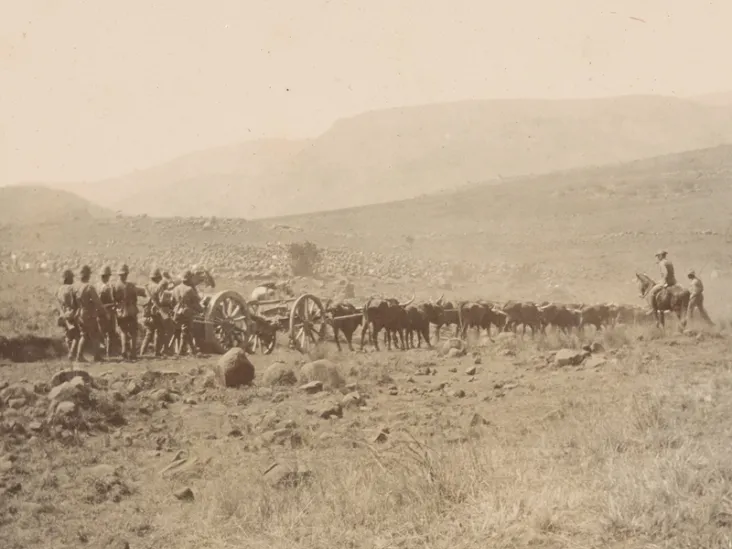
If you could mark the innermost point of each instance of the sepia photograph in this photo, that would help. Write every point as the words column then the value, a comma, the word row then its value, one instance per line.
column 384, row 274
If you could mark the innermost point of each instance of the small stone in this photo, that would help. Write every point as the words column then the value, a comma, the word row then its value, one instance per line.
column 286, row 475
column 458, row 393
column 184, row 494
column 569, row 357
column 471, row 371
column 312, row 387
column 331, row 410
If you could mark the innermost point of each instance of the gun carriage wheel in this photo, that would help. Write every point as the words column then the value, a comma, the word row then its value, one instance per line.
column 307, row 323
column 227, row 322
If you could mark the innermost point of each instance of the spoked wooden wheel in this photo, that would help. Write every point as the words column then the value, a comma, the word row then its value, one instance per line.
column 263, row 342
column 227, row 321
column 307, row 323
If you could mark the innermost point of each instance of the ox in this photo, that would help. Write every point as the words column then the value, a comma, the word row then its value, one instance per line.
column 524, row 313
column 480, row 314
column 560, row 316
column 448, row 316
column 343, row 317
column 419, row 318
column 598, row 316
column 386, row 314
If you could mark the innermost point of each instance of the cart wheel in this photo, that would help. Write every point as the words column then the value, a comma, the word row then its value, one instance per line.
column 227, row 321
column 307, row 323
column 262, row 342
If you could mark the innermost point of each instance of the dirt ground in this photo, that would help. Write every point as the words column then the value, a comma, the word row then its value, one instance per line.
column 499, row 446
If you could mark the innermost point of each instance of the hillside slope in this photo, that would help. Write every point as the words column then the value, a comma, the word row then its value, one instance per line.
column 406, row 152
column 30, row 204
column 578, row 232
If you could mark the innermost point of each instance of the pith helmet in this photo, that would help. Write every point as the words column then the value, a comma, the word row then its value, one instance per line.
column 85, row 270
column 661, row 253
column 155, row 274
column 691, row 273
column 68, row 275
column 106, row 270
column 123, row 269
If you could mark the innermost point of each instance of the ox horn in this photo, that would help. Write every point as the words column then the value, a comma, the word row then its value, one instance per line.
column 408, row 302
column 439, row 301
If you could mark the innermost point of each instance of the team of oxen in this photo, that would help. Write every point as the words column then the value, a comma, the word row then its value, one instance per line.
column 401, row 321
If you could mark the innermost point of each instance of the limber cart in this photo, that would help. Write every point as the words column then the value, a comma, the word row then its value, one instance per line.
column 232, row 321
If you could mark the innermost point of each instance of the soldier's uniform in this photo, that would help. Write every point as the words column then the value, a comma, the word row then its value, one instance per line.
column 125, row 304
column 108, row 325
column 668, row 277
column 68, row 309
column 90, row 309
column 152, row 313
column 696, row 301
column 187, row 304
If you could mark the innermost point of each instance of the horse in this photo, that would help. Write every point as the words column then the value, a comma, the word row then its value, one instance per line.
column 674, row 298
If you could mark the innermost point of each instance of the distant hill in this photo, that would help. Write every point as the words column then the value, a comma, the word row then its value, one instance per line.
column 718, row 98
column 30, row 204
column 584, row 231
column 407, row 152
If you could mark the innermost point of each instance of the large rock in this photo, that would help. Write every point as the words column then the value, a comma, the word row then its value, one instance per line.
column 324, row 371
column 67, row 375
column 279, row 374
column 234, row 369
column 75, row 390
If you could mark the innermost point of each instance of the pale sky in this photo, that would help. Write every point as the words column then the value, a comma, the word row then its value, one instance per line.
column 97, row 88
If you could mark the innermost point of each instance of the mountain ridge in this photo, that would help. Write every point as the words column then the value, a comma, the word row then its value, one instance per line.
column 402, row 152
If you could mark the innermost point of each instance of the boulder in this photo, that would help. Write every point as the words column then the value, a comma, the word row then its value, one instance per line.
column 234, row 369
column 569, row 357
column 279, row 374
column 324, row 371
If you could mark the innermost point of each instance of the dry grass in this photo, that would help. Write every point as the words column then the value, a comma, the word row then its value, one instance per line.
column 634, row 454
column 27, row 305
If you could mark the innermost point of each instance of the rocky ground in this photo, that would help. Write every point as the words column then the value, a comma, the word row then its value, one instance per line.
column 509, row 443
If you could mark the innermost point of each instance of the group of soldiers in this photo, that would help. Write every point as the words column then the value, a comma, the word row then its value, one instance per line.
column 668, row 280
column 98, row 317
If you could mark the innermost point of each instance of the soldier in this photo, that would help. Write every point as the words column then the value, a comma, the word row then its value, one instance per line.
column 68, row 307
column 152, row 313
column 106, row 295
column 125, row 304
column 668, row 278
column 90, row 309
column 186, row 304
column 696, row 301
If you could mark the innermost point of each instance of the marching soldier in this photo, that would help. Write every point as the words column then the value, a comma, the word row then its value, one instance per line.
column 152, row 314
column 68, row 307
column 668, row 278
column 696, row 301
column 186, row 305
column 90, row 309
column 125, row 303
column 106, row 295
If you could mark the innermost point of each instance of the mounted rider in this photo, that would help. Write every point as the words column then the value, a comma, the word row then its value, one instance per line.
column 668, row 277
